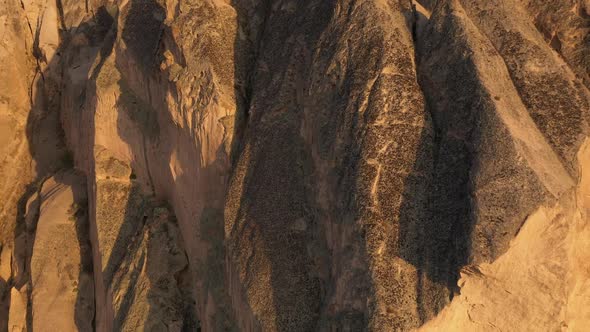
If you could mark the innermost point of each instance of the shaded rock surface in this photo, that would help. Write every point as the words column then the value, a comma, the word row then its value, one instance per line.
column 331, row 165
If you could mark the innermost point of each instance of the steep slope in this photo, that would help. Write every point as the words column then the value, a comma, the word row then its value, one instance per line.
column 332, row 165
column 482, row 67
column 62, row 291
column 565, row 26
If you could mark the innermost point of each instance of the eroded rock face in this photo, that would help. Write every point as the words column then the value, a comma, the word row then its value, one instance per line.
column 61, row 284
column 288, row 165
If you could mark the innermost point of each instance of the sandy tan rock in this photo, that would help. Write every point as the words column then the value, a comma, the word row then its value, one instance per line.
column 294, row 165
column 538, row 284
column 5, row 263
column 62, row 292
column 558, row 102
column 520, row 281
column 16, row 75
column 149, row 294
column 5, row 290
column 17, row 319
column 564, row 24
column 336, row 121
column 161, row 101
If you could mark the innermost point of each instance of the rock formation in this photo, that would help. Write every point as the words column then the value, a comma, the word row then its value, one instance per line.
column 316, row 165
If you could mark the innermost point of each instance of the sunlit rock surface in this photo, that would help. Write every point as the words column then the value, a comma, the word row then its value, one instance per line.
column 316, row 165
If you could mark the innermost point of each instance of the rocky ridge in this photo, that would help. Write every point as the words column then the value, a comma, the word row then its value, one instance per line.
column 340, row 165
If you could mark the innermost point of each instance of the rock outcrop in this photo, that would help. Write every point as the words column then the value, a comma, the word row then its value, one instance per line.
column 61, row 285
column 341, row 165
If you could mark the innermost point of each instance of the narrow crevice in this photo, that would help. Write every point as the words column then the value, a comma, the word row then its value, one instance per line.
column 449, row 277
column 251, row 71
column 60, row 11
column 144, row 147
column 35, row 52
column 246, row 54
column 421, row 19
column 420, row 259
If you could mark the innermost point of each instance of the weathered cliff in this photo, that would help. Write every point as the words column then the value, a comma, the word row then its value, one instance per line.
column 332, row 165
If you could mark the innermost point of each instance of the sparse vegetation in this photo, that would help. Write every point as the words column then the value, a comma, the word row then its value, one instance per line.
column 75, row 211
